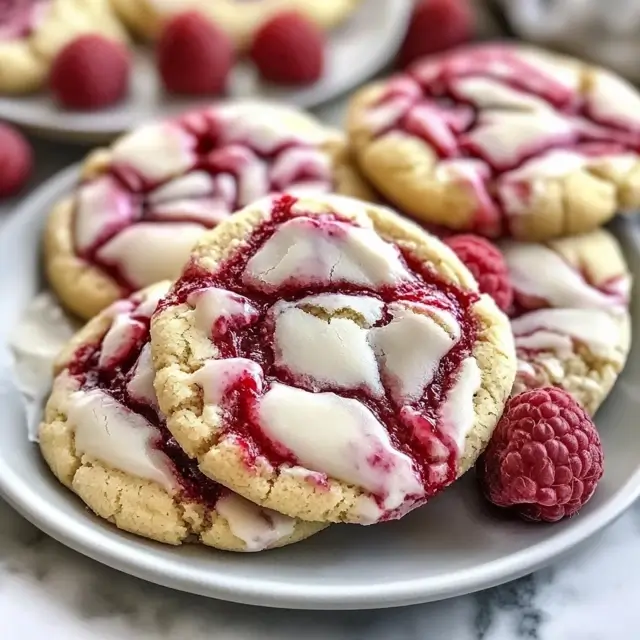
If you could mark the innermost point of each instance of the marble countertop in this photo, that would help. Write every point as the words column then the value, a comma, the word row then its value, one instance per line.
column 48, row 591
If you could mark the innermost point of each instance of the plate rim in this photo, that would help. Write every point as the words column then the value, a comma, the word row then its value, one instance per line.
column 109, row 548
column 58, row 126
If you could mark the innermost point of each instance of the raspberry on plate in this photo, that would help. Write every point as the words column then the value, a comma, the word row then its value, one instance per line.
column 16, row 160
column 195, row 56
column 487, row 264
column 544, row 459
column 436, row 25
column 91, row 72
column 289, row 49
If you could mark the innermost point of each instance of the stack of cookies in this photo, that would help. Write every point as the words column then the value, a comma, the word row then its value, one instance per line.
column 290, row 327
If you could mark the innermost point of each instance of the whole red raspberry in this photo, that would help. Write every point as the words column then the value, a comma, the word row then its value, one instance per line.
column 194, row 55
column 487, row 264
column 16, row 161
column 90, row 72
column 545, row 457
column 289, row 49
column 436, row 25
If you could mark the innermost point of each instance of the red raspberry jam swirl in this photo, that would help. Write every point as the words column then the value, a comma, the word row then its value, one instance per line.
column 262, row 351
column 499, row 119
column 558, row 307
column 111, row 370
column 165, row 183
column 18, row 18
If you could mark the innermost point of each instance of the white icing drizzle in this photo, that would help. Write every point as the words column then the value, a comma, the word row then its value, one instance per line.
column 457, row 414
column 140, row 386
column 258, row 528
column 505, row 137
column 119, row 340
column 340, row 437
column 555, row 329
column 157, row 151
column 212, row 305
column 101, row 206
column 490, row 93
column 107, row 431
column 538, row 271
column 410, row 348
column 215, row 377
column 268, row 126
column 325, row 354
column 152, row 296
column 615, row 100
column 196, row 184
column 305, row 250
column 286, row 167
column 147, row 253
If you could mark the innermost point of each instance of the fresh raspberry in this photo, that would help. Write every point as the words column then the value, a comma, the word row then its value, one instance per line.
column 486, row 263
column 436, row 25
column 289, row 49
column 90, row 72
column 194, row 55
column 545, row 457
column 16, row 161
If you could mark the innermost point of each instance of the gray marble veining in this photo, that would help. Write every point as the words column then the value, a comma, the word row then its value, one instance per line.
column 48, row 591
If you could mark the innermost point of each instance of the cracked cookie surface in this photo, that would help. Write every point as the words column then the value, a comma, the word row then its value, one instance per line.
column 143, row 202
column 32, row 32
column 105, row 439
column 571, row 320
column 239, row 18
column 502, row 140
column 327, row 358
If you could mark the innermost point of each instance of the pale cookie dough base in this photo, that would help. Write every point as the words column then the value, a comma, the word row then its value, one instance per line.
column 133, row 504
column 408, row 172
column 588, row 377
column 179, row 349
column 240, row 20
column 25, row 62
column 85, row 289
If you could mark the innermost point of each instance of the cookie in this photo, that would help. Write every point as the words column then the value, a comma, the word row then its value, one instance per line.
column 330, row 360
column 502, row 140
column 571, row 320
column 32, row 32
column 143, row 202
column 240, row 19
column 105, row 439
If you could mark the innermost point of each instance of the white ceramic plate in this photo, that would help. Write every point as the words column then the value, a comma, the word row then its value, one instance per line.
column 359, row 49
column 452, row 546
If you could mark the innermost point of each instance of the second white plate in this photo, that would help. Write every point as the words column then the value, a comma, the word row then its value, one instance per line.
column 358, row 50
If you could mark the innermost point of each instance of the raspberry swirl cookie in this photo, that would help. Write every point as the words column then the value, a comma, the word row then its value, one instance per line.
column 105, row 439
column 330, row 360
column 32, row 32
column 142, row 203
column 571, row 322
column 240, row 18
column 502, row 140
